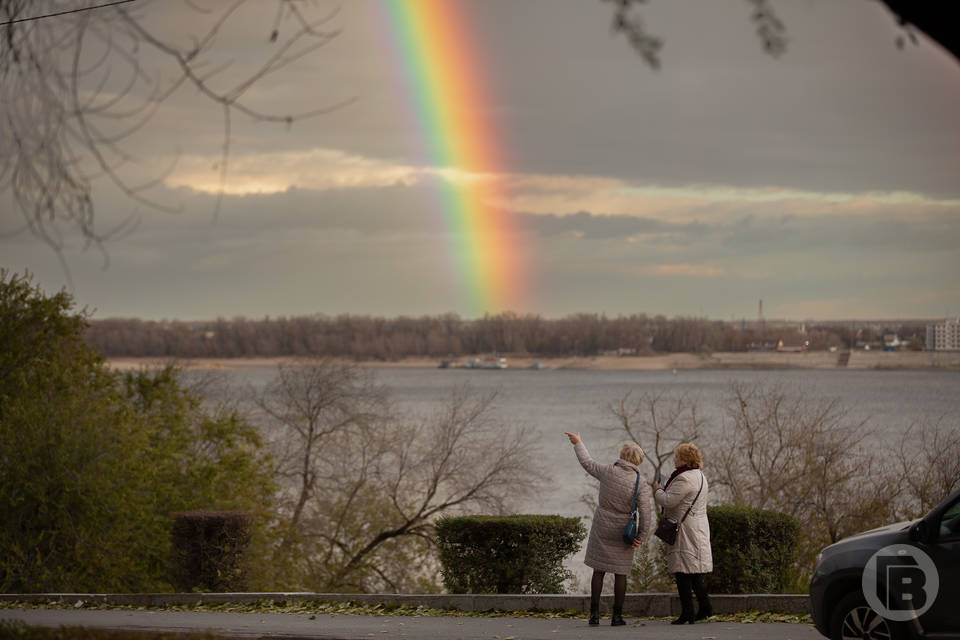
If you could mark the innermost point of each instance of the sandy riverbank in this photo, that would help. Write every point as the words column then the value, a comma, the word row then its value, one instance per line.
column 916, row 360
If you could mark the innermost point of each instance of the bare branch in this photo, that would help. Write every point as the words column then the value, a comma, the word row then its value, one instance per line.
column 65, row 125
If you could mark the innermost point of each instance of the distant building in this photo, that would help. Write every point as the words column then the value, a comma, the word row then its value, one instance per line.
column 944, row 336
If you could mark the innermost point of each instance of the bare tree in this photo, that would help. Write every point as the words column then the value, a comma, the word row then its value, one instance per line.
column 804, row 456
column 658, row 422
column 366, row 483
column 307, row 405
column 928, row 465
column 76, row 84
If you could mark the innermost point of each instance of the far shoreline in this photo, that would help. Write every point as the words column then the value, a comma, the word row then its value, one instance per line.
column 752, row 360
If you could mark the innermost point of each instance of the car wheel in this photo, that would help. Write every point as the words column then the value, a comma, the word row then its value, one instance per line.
column 853, row 619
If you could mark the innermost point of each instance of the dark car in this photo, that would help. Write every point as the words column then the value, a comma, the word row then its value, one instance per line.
column 873, row 585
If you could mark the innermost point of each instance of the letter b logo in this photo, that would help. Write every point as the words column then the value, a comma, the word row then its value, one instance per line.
column 900, row 582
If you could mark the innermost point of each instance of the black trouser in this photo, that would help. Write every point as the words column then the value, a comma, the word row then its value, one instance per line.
column 687, row 582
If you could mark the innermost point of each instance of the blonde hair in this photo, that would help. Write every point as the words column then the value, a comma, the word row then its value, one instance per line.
column 632, row 453
column 688, row 455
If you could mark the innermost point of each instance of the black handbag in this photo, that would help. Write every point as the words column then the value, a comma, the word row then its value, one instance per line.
column 632, row 528
column 667, row 528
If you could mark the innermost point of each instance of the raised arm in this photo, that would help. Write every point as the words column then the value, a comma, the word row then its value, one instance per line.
column 589, row 464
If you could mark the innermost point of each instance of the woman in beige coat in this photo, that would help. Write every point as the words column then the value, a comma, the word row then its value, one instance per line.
column 690, row 557
column 606, row 550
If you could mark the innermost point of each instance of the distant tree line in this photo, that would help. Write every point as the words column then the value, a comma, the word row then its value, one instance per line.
column 449, row 336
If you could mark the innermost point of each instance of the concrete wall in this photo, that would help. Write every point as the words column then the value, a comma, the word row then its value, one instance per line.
column 636, row 604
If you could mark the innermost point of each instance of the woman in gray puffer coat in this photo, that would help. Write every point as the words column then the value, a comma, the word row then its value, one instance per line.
column 606, row 550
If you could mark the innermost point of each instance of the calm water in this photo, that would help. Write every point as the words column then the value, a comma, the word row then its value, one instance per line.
column 553, row 401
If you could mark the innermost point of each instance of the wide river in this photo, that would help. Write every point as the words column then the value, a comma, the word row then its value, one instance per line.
column 553, row 401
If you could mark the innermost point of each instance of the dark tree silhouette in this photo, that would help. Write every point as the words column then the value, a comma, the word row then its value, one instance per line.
column 935, row 19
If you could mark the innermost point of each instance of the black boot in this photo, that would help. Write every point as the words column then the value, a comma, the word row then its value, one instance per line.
column 685, row 591
column 617, row 619
column 594, row 615
column 704, row 608
column 596, row 588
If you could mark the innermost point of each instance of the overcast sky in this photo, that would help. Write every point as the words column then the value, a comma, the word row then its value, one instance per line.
column 825, row 182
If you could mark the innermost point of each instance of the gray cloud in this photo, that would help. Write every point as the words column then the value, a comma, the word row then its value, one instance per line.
column 842, row 111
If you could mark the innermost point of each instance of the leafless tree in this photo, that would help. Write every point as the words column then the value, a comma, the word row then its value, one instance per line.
column 367, row 482
column 76, row 82
column 803, row 455
column 658, row 421
column 307, row 405
column 928, row 464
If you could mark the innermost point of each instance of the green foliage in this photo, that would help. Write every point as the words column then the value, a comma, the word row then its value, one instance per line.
column 754, row 550
column 91, row 464
column 507, row 554
column 649, row 573
column 196, row 458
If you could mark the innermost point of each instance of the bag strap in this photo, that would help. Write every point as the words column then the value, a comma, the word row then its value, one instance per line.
column 636, row 489
column 694, row 501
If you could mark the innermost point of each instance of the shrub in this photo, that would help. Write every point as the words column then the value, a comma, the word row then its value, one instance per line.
column 92, row 462
column 208, row 550
column 507, row 554
column 754, row 550
column 649, row 573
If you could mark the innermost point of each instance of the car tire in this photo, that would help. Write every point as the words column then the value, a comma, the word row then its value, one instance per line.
column 853, row 619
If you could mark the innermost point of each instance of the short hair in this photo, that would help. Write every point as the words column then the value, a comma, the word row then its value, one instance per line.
column 689, row 455
column 632, row 453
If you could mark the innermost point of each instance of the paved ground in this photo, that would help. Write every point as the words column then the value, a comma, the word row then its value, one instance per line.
column 347, row 627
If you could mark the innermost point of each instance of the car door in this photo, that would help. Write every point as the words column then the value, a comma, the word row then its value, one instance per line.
column 944, row 549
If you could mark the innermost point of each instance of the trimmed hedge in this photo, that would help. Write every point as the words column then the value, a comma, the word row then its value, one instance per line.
column 507, row 554
column 208, row 549
column 754, row 550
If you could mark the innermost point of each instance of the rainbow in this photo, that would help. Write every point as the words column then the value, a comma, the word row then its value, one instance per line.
column 441, row 71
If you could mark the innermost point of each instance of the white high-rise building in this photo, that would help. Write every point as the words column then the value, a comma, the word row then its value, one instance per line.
column 944, row 336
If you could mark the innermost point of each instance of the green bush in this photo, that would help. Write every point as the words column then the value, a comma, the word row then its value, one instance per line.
column 507, row 554
column 754, row 550
column 92, row 462
column 208, row 549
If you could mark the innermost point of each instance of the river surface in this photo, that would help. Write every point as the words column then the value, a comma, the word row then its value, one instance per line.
column 553, row 401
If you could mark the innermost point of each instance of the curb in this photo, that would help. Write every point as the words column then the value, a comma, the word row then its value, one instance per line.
column 655, row 605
